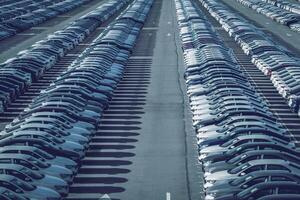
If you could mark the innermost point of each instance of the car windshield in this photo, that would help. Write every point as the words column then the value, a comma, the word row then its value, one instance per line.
column 276, row 167
column 245, row 193
column 286, row 190
column 249, row 158
column 234, row 150
column 15, row 173
column 23, row 185
column 44, row 154
column 280, row 178
column 255, row 181
column 239, row 168
column 9, row 185
column 230, row 142
column 38, row 162
column 31, row 173
column 237, row 158
column 240, row 180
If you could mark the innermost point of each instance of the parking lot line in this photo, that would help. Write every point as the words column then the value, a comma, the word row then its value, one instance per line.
column 168, row 196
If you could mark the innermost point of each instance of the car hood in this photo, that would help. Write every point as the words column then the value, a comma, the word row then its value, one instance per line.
column 212, row 149
column 43, row 193
column 51, row 181
column 220, row 175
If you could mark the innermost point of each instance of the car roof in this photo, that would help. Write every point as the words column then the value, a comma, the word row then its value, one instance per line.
column 268, row 161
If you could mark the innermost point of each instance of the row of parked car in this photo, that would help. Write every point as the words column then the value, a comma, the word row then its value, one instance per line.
column 42, row 148
column 19, row 8
column 22, row 15
column 7, row 2
column 287, row 5
column 272, row 59
column 19, row 72
column 245, row 153
column 278, row 14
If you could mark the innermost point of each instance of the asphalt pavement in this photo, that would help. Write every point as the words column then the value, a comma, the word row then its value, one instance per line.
column 165, row 165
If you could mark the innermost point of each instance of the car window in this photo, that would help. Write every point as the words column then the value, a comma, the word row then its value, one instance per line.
column 17, row 174
column 254, row 181
column 240, row 180
column 44, row 154
column 276, row 167
column 38, row 162
column 10, row 151
column 25, row 163
column 254, row 168
column 236, row 159
column 229, row 142
column 287, row 190
column 296, row 166
column 270, row 156
column 31, row 173
column 23, row 185
column 239, row 143
column 239, row 168
column 259, row 140
column 262, row 192
column 10, row 186
column 4, row 160
column 280, row 178
column 31, row 154
column 249, row 158
column 44, row 138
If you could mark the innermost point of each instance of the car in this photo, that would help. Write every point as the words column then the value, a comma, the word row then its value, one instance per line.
column 252, row 155
column 7, row 194
column 248, row 147
column 35, row 178
column 64, row 125
column 26, row 189
column 26, row 66
column 253, row 165
column 224, row 187
column 236, row 124
column 84, row 92
column 41, row 144
column 261, row 190
column 57, row 116
column 44, row 156
column 37, row 165
column 76, row 101
column 235, row 142
column 94, row 120
column 51, row 139
column 263, row 120
column 213, row 140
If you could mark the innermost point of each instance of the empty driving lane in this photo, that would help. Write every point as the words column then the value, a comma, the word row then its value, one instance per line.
column 280, row 33
column 10, row 47
column 165, row 162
